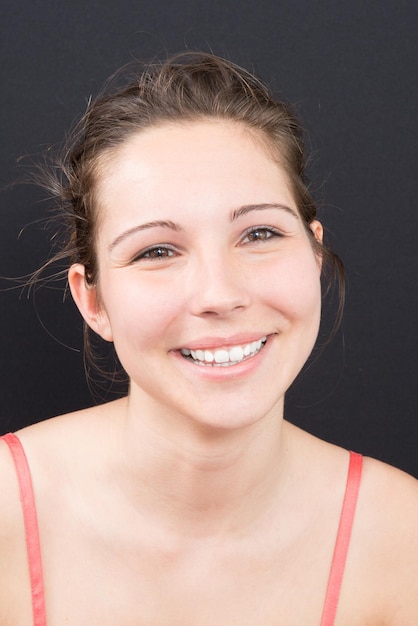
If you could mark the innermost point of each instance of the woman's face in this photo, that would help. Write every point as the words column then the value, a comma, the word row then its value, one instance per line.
column 209, row 286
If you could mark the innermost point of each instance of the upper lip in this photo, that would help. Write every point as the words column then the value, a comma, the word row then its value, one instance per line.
column 210, row 343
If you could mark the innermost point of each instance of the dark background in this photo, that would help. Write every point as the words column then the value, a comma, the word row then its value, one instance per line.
column 350, row 68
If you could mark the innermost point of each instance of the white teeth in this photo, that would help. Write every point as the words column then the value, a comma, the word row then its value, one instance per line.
column 224, row 356
column 236, row 354
column 221, row 356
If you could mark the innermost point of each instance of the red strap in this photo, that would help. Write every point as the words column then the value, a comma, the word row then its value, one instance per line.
column 31, row 528
column 343, row 539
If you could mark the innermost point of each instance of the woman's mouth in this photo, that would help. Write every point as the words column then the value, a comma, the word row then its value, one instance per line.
column 224, row 357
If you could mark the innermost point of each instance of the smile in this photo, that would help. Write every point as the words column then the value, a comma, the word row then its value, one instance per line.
column 224, row 357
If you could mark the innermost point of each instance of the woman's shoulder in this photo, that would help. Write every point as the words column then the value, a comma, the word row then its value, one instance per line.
column 13, row 558
column 53, row 447
column 381, row 570
column 9, row 492
column 70, row 431
column 22, row 454
column 382, row 564
column 389, row 498
column 62, row 454
column 385, row 540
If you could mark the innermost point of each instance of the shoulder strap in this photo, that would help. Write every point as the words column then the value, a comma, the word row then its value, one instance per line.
column 343, row 539
column 31, row 527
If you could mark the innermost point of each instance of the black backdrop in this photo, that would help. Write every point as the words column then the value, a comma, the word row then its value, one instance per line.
column 350, row 68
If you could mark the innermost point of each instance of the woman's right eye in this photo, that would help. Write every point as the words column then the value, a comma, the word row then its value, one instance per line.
column 155, row 253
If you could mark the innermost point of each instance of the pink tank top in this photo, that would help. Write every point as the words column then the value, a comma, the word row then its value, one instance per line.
column 34, row 549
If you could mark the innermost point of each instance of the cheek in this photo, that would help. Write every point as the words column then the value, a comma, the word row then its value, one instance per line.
column 293, row 286
column 140, row 315
column 305, row 296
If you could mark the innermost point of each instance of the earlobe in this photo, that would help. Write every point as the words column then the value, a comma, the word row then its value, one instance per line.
column 86, row 298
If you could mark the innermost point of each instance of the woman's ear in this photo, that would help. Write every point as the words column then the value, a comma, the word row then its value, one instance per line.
column 86, row 298
column 318, row 231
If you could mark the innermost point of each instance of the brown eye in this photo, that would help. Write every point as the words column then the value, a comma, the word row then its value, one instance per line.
column 155, row 253
column 261, row 234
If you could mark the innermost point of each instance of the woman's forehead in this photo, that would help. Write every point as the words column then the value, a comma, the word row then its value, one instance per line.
column 189, row 157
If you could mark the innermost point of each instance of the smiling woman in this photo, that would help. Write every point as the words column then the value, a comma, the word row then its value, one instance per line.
column 197, row 224
column 195, row 250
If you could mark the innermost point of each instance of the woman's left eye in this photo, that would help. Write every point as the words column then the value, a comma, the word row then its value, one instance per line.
column 261, row 233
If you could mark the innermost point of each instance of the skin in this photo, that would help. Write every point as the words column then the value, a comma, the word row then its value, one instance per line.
column 192, row 501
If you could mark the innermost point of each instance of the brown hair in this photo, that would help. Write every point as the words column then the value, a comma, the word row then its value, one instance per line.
column 187, row 87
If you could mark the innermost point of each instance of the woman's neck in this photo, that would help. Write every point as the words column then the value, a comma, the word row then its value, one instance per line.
column 211, row 481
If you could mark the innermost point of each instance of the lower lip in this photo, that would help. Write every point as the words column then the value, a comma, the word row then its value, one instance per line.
column 228, row 372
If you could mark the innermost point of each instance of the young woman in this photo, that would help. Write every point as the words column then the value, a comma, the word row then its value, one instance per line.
column 196, row 251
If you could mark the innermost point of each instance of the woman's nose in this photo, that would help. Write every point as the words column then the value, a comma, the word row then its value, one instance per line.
column 218, row 287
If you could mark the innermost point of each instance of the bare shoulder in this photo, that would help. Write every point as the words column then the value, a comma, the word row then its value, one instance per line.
column 390, row 498
column 49, row 446
column 9, row 495
column 380, row 584
column 59, row 451
column 70, row 436
column 11, row 521
column 13, row 559
column 387, row 534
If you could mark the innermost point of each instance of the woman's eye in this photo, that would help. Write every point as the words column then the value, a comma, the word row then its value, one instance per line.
column 261, row 234
column 157, row 252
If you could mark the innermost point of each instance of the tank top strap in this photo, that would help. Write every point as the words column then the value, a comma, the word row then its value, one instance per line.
column 343, row 539
column 27, row 499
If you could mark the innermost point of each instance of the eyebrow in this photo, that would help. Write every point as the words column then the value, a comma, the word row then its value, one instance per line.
column 155, row 224
column 243, row 210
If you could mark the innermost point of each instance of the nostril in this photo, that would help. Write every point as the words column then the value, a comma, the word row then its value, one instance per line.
column 221, row 310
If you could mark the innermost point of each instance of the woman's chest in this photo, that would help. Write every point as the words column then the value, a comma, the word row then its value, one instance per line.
column 107, row 587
